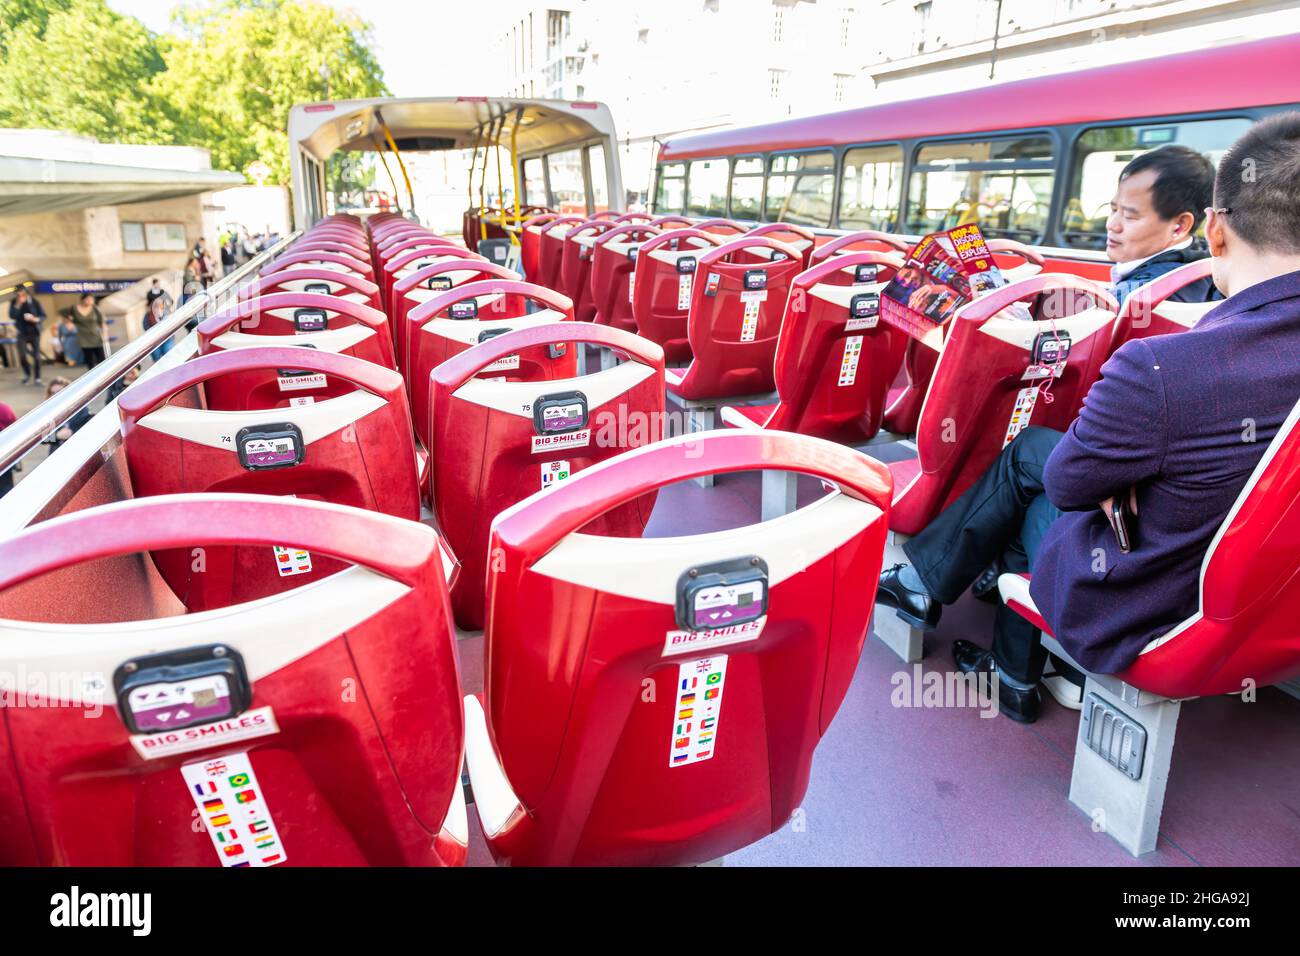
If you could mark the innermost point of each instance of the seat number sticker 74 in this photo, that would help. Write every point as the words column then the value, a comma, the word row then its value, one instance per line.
column 698, row 708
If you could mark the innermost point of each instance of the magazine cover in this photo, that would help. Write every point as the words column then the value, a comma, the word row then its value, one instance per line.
column 943, row 272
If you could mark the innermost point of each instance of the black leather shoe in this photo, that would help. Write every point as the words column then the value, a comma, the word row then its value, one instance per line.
column 985, row 587
column 915, row 607
column 1020, row 705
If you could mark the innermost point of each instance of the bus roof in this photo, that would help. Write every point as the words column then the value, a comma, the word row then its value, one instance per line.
column 443, row 122
column 1260, row 73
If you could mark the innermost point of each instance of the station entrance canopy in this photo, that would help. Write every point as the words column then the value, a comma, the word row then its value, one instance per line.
column 32, row 185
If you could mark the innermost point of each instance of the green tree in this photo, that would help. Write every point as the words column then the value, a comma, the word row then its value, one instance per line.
column 77, row 65
column 235, row 67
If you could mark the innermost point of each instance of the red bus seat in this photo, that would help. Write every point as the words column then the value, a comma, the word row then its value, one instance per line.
column 495, row 443
column 437, row 276
column 720, row 227
column 410, row 258
column 985, row 390
column 796, row 237
column 380, row 627
column 330, row 244
column 736, row 311
column 530, row 244
column 310, row 259
column 550, row 251
column 575, row 266
column 570, row 760
column 1150, row 310
column 1242, row 637
column 868, row 240
column 345, row 285
column 671, row 222
column 613, row 261
column 665, row 277
column 366, row 337
column 441, row 328
column 834, row 359
column 353, row 449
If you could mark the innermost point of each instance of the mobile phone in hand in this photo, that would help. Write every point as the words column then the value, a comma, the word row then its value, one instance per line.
column 1122, row 521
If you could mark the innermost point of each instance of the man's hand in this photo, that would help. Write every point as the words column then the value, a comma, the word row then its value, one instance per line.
column 1110, row 503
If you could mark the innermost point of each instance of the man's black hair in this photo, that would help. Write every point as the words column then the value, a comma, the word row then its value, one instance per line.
column 1184, row 181
column 1259, row 184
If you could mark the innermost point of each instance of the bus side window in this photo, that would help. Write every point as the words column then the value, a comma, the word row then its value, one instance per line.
column 534, row 182
column 599, row 177
column 871, row 188
column 747, row 188
column 706, row 193
column 1101, row 153
column 801, row 188
column 567, row 185
column 1005, row 185
column 670, row 189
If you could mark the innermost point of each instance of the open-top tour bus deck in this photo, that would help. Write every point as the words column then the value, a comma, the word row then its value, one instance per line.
column 398, row 510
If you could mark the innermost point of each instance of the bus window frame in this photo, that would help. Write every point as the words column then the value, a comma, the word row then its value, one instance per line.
column 836, row 164
column 1076, row 131
column 1051, row 133
column 686, row 185
column 905, row 162
column 686, row 176
column 762, row 183
column 546, row 179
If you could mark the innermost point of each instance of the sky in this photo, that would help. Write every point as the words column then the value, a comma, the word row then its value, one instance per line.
column 406, row 55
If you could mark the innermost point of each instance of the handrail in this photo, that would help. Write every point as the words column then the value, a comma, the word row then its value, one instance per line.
column 30, row 430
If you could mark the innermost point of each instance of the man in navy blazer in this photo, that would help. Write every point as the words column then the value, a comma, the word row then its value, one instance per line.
column 1175, row 425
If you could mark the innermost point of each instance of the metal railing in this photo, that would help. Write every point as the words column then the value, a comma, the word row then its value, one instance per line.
column 30, row 430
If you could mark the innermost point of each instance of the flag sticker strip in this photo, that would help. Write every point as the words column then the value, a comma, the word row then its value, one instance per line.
column 684, row 282
column 849, row 362
column 1021, row 413
column 291, row 560
column 233, row 808
column 696, row 711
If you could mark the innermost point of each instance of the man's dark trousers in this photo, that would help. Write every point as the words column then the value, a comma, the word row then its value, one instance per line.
column 1004, row 515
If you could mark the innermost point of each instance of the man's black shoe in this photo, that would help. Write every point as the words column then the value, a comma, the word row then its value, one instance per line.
column 1020, row 705
column 985, row 587
column 915, row 607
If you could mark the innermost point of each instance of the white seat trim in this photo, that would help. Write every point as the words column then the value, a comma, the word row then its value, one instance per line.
column 1186, row 314
column 328, row 340
column 494, row 799
column 1021, row 334
column 217, row 429
column 647, row 569
column 269, row 633
column 466, row 331
column 733, row 416
column 843, row 294
column 516, row 398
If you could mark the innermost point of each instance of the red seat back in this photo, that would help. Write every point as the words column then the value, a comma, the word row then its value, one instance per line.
column 835, row 360
column 727, row 228
column 868, row 240
column 530, row 235
column 1244, row 633
column 797, row 237
column 613, row 261
column 736, row 311
column 671, row 222
column 350, row 444
column 329, row 244
column 443, row 327
column 550, row 250
column 496, row 442
column 664, row 279
column 308, row 258
column 408, row 258
column 352, row 329
column 420, row 285
column 581, row 627
column 984, row 390
column 575, row 266
column 1149, row 310
column 351, row 679
column 345, row 285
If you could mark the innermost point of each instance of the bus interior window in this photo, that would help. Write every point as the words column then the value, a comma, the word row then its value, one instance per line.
column 535, row 182
column 871, row 188
column 706, row 193
column 800, row 188
column 599, row 177
column 670, row 190
column 567, row 187
column 1100, row 154
column 747, row 188
column 1005, row 185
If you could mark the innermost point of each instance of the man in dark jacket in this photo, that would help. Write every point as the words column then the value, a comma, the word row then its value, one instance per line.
column 1176, row 424
column 27, row 316
column 1159, row 202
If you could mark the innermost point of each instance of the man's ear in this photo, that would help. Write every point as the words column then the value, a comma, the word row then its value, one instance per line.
column 1216, row 236
column 1184, row 223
